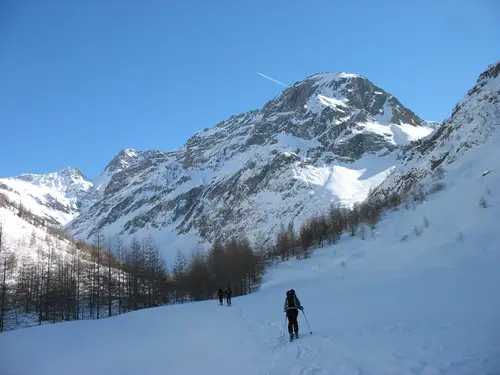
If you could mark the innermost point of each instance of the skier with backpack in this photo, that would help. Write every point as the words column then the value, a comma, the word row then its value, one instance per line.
column 291, row 308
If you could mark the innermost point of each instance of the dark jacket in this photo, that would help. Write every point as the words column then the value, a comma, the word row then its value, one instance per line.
column 297, row 304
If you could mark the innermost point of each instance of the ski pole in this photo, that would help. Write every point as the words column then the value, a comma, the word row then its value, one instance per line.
column 310, row 332
column 284, row 328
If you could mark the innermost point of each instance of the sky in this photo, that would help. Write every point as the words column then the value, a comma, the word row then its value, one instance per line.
column 81, row 80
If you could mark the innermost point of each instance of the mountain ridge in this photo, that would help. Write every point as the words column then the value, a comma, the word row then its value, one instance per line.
column 330, row 137
column 233, row 170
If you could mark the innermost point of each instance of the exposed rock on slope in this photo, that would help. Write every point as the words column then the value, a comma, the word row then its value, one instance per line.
column 471, row 124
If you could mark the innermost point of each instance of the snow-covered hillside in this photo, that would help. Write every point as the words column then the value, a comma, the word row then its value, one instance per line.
column 56, row 197
column 472, row 123
column 328, row 138
column 26, row 239
column 46, row 277
column 395, row 303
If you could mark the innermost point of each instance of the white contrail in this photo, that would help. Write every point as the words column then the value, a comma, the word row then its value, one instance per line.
column 272, row 79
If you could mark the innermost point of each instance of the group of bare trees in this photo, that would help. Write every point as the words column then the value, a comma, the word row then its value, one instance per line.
column 360, row 219
column 57, row 284
column 6, row 264
column 61, row 280
column 72, row 281
column 232, row 262
column 327, row 227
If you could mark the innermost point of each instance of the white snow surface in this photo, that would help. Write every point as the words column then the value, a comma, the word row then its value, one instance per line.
column 54, row 195
column 424, row 306
column 404, row 134
column 17, row 233
column 317, row 103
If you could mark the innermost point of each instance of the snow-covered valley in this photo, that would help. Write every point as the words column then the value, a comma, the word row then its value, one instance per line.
column 423, row 304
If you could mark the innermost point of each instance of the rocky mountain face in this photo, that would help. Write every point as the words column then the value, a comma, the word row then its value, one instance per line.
column 473, row 122
column 330, row 137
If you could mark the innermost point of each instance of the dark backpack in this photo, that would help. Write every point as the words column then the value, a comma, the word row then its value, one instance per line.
column 290, row 299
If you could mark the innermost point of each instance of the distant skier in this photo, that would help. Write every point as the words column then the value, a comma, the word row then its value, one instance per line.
column 228, row 295
column 221, row 295
column 292, row 307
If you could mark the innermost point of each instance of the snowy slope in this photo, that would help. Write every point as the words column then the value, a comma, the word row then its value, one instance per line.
column 473, row 122
column 26, row 239
column 328, row 138
column 380, row 306
column 57, row 197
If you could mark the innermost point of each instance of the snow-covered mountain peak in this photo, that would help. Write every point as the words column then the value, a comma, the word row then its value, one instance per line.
column 72, row 172
column 128, row 158
column 56, row 196
column 69, row 179
column 492, row 72
column 486, row 87
column 122, row 161
column 343, row 95
column 328, row 77
column 330, row 137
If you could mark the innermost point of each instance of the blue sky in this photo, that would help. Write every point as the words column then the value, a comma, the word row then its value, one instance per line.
column 81, row 80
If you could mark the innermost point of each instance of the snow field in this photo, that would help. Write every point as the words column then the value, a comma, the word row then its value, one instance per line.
column 423, row 306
